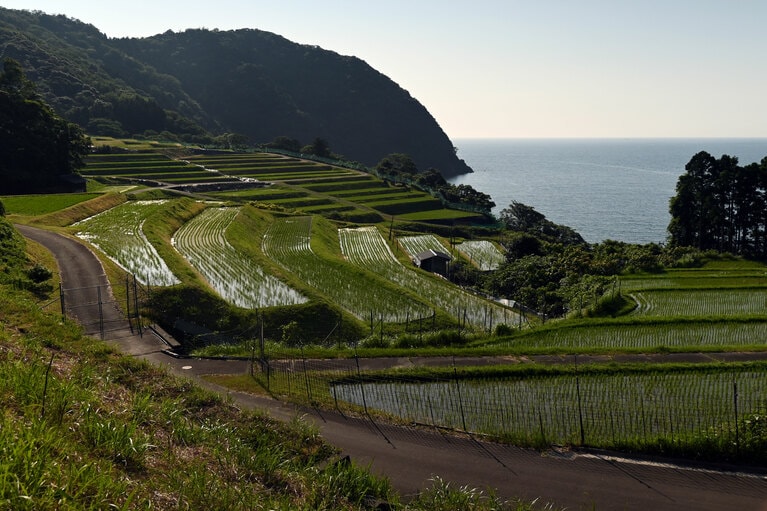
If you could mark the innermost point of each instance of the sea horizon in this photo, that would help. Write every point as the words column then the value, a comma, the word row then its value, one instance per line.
column 615, row 188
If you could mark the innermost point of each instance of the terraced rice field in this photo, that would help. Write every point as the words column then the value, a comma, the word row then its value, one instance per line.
column 706, row 302
column 482, row 253
column 415, row 245
column 366, row 248
column 267, row 167
column 648, row 336
column 149, row 167
column 118, row 233
column 598, row 409
column 202, row 241
column 288, row 242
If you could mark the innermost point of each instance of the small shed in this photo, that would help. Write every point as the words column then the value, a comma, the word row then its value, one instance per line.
column 433, row 261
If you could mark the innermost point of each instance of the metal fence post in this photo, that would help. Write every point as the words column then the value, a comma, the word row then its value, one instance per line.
column 580, row 409
column 737, row 428
column 101, row 313
column 63, row 307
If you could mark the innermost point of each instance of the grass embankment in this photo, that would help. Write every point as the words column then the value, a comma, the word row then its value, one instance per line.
column 84, row 427
column 59, row 210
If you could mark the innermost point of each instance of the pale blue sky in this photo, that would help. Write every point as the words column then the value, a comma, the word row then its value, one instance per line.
column 507, row 68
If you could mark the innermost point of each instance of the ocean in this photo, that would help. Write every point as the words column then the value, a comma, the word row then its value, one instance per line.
column 616, row 189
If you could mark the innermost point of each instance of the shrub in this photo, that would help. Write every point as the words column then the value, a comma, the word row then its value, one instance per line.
column 39, row 274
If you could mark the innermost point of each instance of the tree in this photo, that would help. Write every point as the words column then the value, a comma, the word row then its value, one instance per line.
column 319, row 147
column 523, row 245
column 431, row 179
column 37, row 147
column 523, row 218
column 396, row 164
column 720, row 206
column 285, row 143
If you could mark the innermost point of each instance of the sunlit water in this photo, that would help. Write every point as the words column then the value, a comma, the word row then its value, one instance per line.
column 603, row 188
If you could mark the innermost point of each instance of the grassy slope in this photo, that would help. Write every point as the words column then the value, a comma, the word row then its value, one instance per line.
column 84, row 427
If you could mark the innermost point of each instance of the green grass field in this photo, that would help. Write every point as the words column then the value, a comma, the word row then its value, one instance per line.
column 35, row 205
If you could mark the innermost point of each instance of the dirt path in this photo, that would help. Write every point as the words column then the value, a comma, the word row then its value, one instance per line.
column 410, row 458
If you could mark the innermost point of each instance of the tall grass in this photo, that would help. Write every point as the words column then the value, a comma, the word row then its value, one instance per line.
column 82, row 427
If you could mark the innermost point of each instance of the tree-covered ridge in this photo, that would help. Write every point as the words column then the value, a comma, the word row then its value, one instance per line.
column 39, row 151
column 400, row 168
column 202, row 86
column 720, row 205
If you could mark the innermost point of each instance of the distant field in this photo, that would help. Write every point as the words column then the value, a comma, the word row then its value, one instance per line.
column 371, row 195
column 366, row 247
column 414, row 245
column 720, row 305
column 148, row 166
column 482, row 253
column 34, row 205
column 439, row 214
column 647, row 336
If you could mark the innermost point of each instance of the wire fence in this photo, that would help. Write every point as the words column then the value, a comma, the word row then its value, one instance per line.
column 103, row 309
column 680, row 412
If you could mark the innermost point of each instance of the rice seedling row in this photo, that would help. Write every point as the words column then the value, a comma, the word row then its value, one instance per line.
column 118, row 233
column 287, row 242
column 482, row 253
column 693, row 302
column 277, row 169
column 615, row 411
column 404, row 206
column 645, row 336
column 443, row 214
column 250, row 164
column 202, row 241
column 287, row 178
column 340, row 183
column 695, row 282
column 263, row 194
column 332, row 206
column 142, row 171
column 380, row 190
column 300, row 202
column 366, row 247
column 415, row 245
column 122, row 157
column 382, row 197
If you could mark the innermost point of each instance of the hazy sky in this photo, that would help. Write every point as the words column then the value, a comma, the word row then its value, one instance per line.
column 507, row 68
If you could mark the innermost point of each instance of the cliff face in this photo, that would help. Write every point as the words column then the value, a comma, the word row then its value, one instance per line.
column 200, row 82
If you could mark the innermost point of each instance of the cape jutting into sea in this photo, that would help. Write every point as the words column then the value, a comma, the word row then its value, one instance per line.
column 616, row 189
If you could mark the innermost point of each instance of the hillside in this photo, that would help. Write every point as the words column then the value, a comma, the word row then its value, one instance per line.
column 200, row 83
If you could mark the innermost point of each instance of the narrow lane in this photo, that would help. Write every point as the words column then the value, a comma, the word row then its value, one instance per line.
column 410, row 458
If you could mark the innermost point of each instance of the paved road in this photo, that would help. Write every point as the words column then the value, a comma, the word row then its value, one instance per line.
column 410, row 458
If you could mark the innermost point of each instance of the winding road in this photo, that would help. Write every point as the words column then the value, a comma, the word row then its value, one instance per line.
column 411, row 458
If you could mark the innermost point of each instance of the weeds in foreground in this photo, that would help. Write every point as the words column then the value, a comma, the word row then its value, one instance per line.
column 84, row 428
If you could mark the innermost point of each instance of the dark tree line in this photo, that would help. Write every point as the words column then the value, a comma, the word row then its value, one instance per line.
column 722, row 206
column 39, row 150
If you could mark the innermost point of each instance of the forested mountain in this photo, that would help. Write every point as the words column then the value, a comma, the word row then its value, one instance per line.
column 201, row 84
